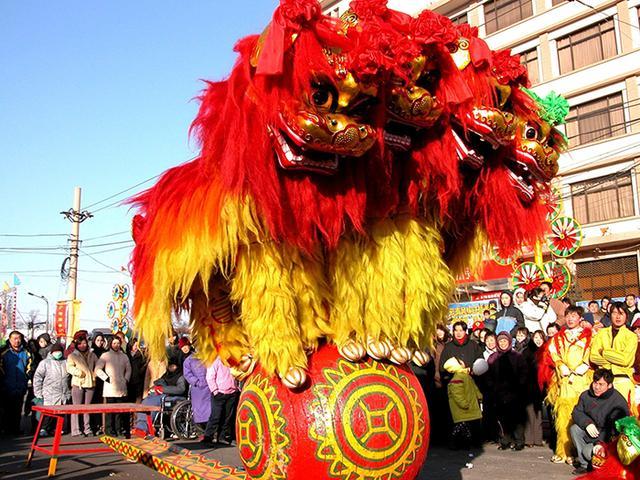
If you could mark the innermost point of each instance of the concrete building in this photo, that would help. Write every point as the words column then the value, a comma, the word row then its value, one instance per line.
column 588, row 51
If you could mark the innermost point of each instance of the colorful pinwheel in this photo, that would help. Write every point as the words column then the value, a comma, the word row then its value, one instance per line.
column 527, row 275
column 559, row 276
column 553, row 201
column 565, row 237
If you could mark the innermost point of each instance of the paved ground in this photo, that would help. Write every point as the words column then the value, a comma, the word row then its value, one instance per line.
column 442, row 464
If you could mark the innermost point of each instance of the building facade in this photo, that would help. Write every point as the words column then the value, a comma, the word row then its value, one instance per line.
column 588, row 51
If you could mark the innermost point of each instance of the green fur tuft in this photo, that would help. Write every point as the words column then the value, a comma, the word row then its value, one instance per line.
column 553, row 108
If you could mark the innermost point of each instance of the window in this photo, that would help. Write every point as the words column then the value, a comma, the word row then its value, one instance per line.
column 596, row 120
column 460, row 19
column 500, row 14
column 587, row 46
column 603, row 198
column 530, row 60
column 614, row 277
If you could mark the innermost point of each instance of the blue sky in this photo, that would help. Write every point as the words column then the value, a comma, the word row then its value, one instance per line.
column 99, row 95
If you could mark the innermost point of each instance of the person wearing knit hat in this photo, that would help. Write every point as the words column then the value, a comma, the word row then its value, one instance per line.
column 50, row 383
column 508, row 380
column 81, row 363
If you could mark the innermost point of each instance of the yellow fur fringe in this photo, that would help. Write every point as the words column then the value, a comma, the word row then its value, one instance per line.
column 393, row 285
column 196, row 259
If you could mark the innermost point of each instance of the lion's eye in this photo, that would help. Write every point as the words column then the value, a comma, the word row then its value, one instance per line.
column 551, row 142
column 429, row 80
column 530, row 133
column 322, row 96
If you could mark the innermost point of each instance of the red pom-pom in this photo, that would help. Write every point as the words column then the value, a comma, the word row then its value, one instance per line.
column 367, row 9
column 430, row 27
column 296, row 13
column 508, row 69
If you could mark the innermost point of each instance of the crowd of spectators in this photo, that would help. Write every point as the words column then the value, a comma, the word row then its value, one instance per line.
column 539, row 370
column 112, row 369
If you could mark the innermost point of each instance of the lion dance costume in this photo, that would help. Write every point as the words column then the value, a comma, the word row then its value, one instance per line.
column 349, row 169
column 569, row 350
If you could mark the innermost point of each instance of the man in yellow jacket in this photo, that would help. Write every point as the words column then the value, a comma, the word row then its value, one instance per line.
column 569, row 350
column 614, row 348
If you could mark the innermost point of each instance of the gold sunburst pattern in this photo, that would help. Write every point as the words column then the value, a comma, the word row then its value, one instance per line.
column 370, row 421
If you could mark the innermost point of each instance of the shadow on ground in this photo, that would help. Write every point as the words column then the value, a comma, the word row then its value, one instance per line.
column 486, row 463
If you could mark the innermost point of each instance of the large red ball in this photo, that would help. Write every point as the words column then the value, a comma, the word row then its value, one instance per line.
column 352, row 420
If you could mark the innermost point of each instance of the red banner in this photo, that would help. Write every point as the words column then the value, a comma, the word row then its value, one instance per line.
column 60, row 326
column 489, row 270
column 479, row 297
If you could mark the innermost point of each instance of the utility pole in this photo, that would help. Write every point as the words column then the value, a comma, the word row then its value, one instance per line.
column 76, row 217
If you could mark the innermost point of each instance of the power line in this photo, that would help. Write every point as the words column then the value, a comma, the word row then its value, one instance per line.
column 107, row 236
column 101, row 263
column 15, row 252
column 106, row 244
column 113, row 204
column 34, row 235
column 113, row 249
column 604, row 14
column 120, row 193
column 22, row 272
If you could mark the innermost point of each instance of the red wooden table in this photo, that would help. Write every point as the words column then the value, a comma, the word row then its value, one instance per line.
column 59, row 411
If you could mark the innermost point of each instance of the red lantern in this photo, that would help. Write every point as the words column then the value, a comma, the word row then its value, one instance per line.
column 365, row 420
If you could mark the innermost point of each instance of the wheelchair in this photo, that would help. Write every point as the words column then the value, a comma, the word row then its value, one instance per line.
column 181, row 421
column 176, row 419
column 162, row 419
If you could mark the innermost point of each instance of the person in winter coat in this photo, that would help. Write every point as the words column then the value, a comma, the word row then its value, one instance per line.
column 224, row 402
column 522, row 339
column 537, row 313
column 519, row 297
column 489, row 419
column 81, row 364
column 490, row 345
column 509, row 318
column 631, row 306
column 182, row 351
column 16, row 369
column 98, row 347
column 114, row 369
column 595, row 415
column 558, row 306
column 441, row 418
column 51, row 383
column 461, row 347
column 614, row 348
column 138, row 371
column 44, row 345
column 170, row 386
column 464, row 403
column 508, row 380
column 195, row 373
column 534, row 398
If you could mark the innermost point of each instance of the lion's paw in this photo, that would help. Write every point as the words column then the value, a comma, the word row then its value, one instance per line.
column 353, row 351
column 295, row 377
